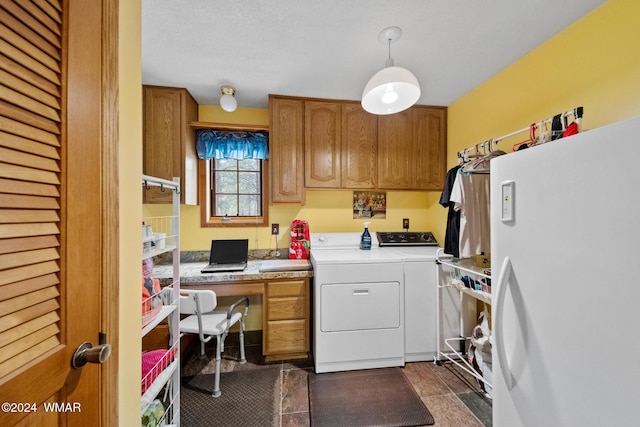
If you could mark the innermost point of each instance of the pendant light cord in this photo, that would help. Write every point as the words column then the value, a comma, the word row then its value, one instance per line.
column 389, row 61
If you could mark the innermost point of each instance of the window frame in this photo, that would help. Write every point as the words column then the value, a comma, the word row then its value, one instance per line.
column 204, row 181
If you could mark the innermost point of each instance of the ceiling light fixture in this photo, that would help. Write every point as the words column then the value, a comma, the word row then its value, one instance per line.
column 228, row 100
column 392, row 89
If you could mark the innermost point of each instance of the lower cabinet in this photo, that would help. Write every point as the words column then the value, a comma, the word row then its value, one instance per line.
column 286, row 327
column 286, row 320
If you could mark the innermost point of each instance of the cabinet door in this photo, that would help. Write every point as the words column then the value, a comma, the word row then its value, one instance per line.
column 359, row 147
column 322, row 144
column 169, row 148
column 188, row 155
column 287, row 336
column 286, row 138
column 162, row 133
column 395, row 157
column 430, row 147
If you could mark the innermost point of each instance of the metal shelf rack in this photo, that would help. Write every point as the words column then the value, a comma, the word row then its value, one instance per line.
column 448, row 268
column 165, row 374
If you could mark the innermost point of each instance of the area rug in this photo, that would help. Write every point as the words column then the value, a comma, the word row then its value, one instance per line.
column 365, row 398
column 249, row 398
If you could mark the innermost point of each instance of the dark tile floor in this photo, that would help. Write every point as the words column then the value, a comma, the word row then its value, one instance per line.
column 453, row 397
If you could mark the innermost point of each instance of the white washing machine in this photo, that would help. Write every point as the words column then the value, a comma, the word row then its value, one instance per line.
column 372, row 308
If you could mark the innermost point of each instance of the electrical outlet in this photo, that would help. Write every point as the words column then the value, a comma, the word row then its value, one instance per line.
column 405, row 223
column 275, row 229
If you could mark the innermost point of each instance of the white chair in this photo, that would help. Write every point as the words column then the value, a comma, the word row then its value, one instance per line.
column 207, row 323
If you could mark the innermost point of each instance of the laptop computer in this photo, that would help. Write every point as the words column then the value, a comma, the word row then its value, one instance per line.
column 227, row 255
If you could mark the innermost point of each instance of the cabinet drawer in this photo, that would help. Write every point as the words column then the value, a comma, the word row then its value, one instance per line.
column 287, row 336
column 293, row 288
column 286, row 308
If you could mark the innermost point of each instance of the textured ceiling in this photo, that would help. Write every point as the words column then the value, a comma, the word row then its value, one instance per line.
column 330, row 48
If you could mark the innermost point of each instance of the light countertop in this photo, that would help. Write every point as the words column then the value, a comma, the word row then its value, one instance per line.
column 190, row 272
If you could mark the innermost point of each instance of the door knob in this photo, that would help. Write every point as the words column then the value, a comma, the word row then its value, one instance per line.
column 87, row 353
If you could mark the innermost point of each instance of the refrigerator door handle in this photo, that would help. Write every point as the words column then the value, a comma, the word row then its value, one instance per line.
column 503, row 282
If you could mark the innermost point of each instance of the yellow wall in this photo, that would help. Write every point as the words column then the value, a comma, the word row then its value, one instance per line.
column 593, row 63
column 130, row 169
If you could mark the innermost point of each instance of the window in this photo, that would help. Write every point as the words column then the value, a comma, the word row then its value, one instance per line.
column 233, row 178
column 236, row 187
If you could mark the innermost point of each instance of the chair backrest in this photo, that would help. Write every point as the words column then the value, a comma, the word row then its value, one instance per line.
column 189, row 301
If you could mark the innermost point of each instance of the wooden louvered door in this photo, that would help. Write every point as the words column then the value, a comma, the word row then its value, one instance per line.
column 52, row 197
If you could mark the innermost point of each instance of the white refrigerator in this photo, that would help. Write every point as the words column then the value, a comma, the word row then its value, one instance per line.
column 565, row 248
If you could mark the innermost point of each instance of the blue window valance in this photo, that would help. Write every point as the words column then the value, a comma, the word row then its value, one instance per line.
column 224, row 144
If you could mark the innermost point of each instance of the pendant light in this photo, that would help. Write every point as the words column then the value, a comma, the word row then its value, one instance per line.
column 392, row 89
column 228, row 100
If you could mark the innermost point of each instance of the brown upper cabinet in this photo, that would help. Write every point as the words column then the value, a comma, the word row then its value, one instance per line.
column 286, row 153
column 429, row 147
column 169, row 148
column 322, row 144
column 331, row 144
column 359, row 147
column 395, row 154
column 412, row 148
column 340, row 148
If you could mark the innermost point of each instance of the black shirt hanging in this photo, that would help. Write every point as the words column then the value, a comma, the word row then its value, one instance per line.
column 452, row 235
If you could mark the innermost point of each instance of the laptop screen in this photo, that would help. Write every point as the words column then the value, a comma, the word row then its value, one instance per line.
column 229, row 251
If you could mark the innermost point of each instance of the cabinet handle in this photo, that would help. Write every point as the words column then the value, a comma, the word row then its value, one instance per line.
column 358, row 292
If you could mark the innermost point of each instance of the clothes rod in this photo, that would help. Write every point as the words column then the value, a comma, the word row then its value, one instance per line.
column 481, row 148
column 152, row 181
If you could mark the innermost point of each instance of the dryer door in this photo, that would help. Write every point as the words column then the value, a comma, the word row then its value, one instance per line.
column 360, row 306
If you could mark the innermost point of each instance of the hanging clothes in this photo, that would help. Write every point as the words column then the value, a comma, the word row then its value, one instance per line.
column 469, row 193
column 470, row 196
column 572, row 129
column 558, row 126
column 452, row 234
column 482, row 164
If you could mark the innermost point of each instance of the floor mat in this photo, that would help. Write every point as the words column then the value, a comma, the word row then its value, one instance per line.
column 372, row 397
column 249, row 398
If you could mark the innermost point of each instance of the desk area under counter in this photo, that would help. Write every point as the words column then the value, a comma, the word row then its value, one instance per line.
column 285, row 289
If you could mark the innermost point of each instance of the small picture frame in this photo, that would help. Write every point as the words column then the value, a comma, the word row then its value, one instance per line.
column 369, row 204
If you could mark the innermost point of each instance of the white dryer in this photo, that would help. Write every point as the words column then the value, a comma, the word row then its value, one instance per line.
column 358, row 305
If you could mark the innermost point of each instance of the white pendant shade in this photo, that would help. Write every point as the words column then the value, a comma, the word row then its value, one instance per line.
column 390, row 90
